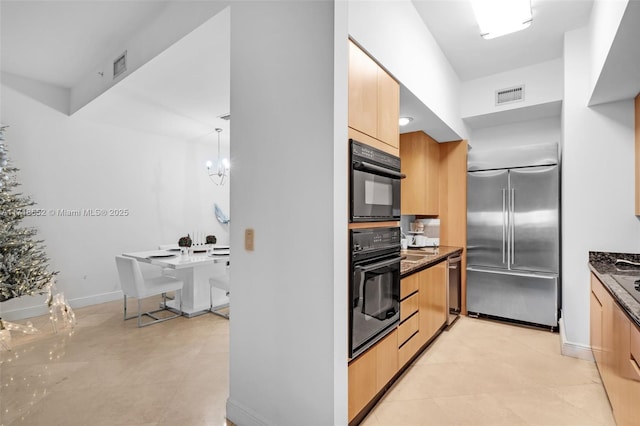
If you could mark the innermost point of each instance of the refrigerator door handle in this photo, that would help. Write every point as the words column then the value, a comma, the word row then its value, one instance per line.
column 513, row 273
column 504, row 224
column 512, row 238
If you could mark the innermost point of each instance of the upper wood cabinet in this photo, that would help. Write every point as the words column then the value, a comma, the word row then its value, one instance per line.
column 637, row 108
column 374, row 98
column 420, row 161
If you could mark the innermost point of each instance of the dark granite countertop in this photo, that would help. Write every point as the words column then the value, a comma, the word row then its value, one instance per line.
column 430, row 256
column 602, row 264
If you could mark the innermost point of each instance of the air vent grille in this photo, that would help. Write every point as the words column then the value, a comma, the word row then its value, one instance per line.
column 511, row 94
column 120, row 65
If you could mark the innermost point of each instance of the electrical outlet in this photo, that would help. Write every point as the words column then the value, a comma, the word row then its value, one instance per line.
column 248, row 239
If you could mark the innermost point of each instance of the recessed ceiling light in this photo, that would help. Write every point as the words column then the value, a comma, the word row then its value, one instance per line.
column 403, row 121
column 500, row 17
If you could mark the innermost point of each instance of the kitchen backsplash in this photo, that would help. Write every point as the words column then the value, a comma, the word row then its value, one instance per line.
column 431, row 226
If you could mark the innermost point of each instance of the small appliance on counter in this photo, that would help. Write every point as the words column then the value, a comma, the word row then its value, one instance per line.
column 424, row 233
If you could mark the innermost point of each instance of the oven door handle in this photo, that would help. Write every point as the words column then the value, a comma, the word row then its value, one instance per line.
column 363, row 166
column 378, row 264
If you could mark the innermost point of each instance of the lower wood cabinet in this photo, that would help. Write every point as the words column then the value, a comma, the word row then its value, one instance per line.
column 615, row 342
column 371, row 371
column 409, row 285
column 433, row 300
column 425, row 295
column 408, row 329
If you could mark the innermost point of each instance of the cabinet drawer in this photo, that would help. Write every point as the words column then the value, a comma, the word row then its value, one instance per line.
column 407, row 329
column 408, row 350
column 408, row 306
column 408, row 285
column 635, row 352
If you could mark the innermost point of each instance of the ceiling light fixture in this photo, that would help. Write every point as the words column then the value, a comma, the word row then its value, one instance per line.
column 221, row 171
column 403, row 121
column 500, row 17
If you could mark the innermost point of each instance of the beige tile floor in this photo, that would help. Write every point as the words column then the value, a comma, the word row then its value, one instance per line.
column 488, row 373
column 109, row 372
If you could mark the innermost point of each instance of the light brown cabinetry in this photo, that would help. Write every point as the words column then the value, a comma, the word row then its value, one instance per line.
column 371, row 371
column 420, row 162
column 388, row 111
column 433, row 303
column 425, row 318
column 453, row 204
column 597, row 319
column 409, row 306
column 409, row 285
column 374, row 98
column 614, row 341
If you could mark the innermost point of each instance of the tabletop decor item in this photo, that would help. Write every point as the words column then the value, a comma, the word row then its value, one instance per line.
column 184, row 243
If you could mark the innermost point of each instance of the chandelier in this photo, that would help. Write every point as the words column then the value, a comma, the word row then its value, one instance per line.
column 220, row 172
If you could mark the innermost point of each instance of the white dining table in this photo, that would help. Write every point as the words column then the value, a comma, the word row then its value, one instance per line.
column 194, row 269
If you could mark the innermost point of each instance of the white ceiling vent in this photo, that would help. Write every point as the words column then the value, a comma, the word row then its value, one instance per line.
column 511, row 94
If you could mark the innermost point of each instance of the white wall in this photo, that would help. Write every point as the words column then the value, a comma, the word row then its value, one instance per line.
column 288, row 352
column 395, row 35
column 71, row 163
column 543, row 84
column 597, row 184
column 606, row 16
column 516, row 134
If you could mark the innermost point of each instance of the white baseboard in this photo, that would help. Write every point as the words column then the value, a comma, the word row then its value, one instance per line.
column 241, row 415
column 574, row 350
column 41, row 308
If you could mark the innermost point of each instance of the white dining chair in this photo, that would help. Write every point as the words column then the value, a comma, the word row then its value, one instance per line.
column 134, row 284
column 220, row 280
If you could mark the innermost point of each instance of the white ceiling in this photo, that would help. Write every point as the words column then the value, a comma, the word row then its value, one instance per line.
column 181, row 92
column 59, row 42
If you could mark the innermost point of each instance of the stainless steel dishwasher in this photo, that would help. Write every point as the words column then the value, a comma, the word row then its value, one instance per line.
column 454, row 287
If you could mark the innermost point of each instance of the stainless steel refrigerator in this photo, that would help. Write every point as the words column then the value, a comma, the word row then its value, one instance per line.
column 513, row 237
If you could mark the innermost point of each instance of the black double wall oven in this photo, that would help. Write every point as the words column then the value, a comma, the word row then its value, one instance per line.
column 374, row 286
column 374, row 184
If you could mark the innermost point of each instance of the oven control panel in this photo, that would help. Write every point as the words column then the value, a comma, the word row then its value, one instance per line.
column 374, row 239
column 360, row 151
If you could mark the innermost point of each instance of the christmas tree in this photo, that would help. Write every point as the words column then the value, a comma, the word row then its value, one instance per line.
column 23, row 262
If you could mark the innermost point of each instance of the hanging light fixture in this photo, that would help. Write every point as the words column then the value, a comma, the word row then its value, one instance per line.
column 221, row 171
